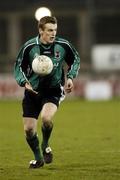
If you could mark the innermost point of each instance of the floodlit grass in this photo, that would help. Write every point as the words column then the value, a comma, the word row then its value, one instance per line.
column 85, row 142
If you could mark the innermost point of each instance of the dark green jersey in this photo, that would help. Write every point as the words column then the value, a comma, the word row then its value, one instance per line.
column 60, row 51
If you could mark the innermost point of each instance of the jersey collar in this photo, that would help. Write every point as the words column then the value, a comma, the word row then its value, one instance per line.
column 38, row 39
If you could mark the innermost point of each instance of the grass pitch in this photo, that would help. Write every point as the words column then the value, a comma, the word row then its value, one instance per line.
column 85, row 142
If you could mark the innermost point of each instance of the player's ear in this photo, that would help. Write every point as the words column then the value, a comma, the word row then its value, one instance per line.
column 40, row 31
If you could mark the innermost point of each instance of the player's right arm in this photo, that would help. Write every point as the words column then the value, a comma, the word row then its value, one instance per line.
column 20, row 70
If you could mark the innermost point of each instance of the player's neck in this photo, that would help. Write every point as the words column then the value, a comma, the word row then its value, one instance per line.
column 43, row 41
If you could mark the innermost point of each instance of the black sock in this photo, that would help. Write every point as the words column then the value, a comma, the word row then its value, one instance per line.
column 34, row 145
column 46, row 132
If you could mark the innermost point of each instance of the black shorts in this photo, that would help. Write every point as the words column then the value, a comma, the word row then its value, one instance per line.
column 32, row 103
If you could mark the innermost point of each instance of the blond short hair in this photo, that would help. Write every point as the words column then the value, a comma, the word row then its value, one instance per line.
column 46, row 19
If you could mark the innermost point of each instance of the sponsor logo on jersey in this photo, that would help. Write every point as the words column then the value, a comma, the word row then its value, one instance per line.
column 47, row 52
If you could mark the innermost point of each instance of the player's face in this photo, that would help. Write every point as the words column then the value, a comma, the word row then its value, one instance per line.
column 48, row 34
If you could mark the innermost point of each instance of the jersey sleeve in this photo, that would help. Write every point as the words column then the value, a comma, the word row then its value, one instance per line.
column 73, row 61
column 19, row 72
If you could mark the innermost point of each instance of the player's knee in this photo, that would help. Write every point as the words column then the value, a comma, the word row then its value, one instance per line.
column 46, row 120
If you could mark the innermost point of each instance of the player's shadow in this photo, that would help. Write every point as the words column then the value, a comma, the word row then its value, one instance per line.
column 68, row 167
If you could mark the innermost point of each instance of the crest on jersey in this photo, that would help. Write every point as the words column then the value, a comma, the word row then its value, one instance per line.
column 57, row 55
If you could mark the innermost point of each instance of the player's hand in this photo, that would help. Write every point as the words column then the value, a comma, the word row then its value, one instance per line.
column 29, row 88
column 69, row 86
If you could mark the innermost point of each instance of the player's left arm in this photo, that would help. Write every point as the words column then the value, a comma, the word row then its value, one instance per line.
column 73, row 62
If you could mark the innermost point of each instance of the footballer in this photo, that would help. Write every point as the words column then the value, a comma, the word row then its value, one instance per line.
column 43, row 94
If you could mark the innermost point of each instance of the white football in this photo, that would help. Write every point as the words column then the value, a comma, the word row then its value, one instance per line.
column 42, row 65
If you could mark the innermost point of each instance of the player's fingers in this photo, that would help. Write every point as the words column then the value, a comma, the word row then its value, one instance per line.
column 34, row 91
column 68, row 90
column 31, row 90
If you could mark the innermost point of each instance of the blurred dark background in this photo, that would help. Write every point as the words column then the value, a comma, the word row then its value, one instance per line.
column 85, row 23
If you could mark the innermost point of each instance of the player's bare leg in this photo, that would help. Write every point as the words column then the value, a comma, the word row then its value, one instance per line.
column 30, row 126
column 47, row 113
